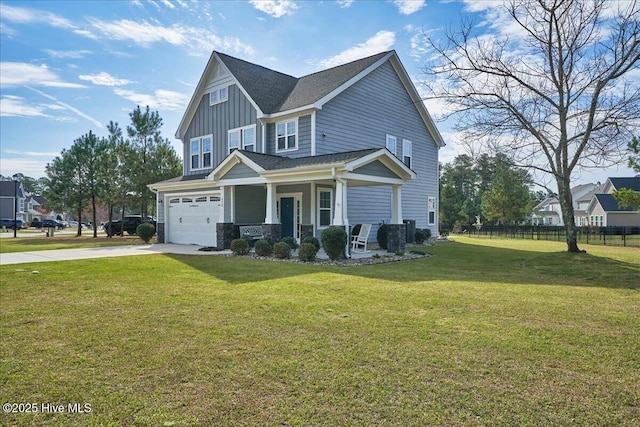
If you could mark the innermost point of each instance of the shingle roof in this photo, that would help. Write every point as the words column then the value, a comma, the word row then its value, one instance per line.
column 274, row 91
column 610, row 204
column 632, row 183
column 271, row 162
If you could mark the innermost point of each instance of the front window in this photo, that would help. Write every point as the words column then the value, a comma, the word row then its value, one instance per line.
column 325, row 197
column 391, row 144
column 201, row 152
column 407, row 152
column 242, row 138
column 286, row 135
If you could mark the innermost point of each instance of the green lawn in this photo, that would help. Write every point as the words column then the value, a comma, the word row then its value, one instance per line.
column 484, row 332
column 65, row 241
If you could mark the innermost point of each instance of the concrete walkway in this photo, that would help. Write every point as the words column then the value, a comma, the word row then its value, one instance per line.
column 111, row 251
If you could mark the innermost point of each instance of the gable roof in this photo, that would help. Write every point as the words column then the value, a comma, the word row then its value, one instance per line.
column 276, row 93
column 610, row 204
column 632, row 183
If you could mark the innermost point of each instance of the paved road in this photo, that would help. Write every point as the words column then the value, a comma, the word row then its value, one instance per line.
column 111, row 251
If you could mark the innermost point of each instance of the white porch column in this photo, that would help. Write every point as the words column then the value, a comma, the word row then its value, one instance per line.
column 223, row 202
column 271, row 214
column 396, row 204
column 340, row 210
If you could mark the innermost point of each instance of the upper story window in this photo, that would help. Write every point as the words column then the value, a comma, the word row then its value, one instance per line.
column 391, row 144
column 407, row 152
column 287, row 135
column 201, row 152
column 243, row 138
column 218, row 95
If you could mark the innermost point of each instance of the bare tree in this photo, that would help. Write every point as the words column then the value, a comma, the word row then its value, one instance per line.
column 555, row 86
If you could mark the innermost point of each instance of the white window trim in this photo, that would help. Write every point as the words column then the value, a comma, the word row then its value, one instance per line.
column 395, row 144
column 218, row 92
column 318, row 208
column 431, row 207
column 242, row 143
column 200, row 152
column 296, row 135
column 407, row 147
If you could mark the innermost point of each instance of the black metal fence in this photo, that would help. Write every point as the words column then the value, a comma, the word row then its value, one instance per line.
column 609, row 236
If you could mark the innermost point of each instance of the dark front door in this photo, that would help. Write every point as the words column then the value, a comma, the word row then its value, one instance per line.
column 286, row 216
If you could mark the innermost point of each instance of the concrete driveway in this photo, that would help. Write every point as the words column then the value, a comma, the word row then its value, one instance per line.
column 111, row 251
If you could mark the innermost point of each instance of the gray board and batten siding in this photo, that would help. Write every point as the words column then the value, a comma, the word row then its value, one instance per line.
column 216, row 120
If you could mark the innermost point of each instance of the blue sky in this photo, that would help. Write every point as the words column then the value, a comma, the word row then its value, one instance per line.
column 68, row 67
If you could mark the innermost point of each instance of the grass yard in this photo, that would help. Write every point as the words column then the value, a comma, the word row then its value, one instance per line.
column 484, row 332
column 65, row 241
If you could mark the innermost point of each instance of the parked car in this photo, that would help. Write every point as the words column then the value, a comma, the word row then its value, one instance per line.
column 8, row 224
column 52, row 223
column 131, row 222
column 36, row 223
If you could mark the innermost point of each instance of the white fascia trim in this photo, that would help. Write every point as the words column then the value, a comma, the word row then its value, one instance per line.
column 242, row 181
column 289, row 114
column 233, row 159
column 328, row 97
column 182, row 185
column 304, row 170
column 373, row 179
column 387, row 159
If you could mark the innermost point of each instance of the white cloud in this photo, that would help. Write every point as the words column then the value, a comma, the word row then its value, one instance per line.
column 345, row 3
column 70, row 54
column 380, row 42
column 19, row 74
column 32, row 153
column 14, row 106
column 407, row 7
column 69, row 107
column 275, row 8
column 29, row 167
column 143, row 33
column 104, row 79
column 160, row 99
column 23, row 15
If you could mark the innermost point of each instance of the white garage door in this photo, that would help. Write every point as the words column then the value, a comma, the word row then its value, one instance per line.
column 192, row 219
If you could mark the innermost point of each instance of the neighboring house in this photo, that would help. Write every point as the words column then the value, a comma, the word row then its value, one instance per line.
column 549, row 212
column 603, row 209
column 351, row 144
column 33, row 208
column 8, row 190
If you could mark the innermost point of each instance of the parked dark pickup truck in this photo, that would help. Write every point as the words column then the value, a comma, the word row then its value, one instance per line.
column 131, row 222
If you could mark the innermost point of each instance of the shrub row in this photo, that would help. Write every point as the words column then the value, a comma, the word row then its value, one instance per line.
column 282, row 250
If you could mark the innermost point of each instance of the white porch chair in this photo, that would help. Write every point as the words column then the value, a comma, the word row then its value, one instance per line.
column 361, row 239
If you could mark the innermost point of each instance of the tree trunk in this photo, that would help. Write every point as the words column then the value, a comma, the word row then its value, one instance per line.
column 79, row 233
column 566, row 204
column 93, row 209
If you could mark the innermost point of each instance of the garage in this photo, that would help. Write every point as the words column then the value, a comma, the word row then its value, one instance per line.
column 192, row 219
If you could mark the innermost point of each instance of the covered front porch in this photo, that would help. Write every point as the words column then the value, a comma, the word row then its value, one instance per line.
column 301, row 197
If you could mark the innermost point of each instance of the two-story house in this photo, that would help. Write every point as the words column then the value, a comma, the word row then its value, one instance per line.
column 549, row 212
column 347, row 145
column 603, row 209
